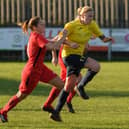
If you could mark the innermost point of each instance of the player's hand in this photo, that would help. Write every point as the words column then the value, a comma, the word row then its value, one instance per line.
column 54, row 61
column 107, row 39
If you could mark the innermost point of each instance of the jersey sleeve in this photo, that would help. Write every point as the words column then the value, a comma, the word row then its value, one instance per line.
column 68, row 27
column 42, row 41
column 95, row 29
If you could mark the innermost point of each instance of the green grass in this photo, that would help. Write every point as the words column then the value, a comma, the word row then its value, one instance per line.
column 107, row 108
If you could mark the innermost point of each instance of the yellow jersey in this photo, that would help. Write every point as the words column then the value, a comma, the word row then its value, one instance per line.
column 79, row 33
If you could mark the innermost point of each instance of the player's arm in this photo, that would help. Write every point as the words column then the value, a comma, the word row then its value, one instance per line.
column 68, row 29
column 56, row 42
column 105, row 39
column 53, row 40
column 51, row 44
column 54, row 57
column 71, row 44
column 62, row 35
column 98, row 33
column 66, row 42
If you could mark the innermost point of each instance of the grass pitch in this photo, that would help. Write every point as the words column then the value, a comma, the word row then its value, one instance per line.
column 107, row 108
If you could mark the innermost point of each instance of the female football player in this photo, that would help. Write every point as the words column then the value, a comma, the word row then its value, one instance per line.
column 55, row 91
column 80, row 31
column 34, row 70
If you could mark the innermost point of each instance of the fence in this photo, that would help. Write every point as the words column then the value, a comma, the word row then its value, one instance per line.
column 108, row 13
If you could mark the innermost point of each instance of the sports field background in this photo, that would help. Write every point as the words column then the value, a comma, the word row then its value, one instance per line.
column 107, row 108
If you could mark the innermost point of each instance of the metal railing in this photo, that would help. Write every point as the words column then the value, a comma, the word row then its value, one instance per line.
column 108, row 13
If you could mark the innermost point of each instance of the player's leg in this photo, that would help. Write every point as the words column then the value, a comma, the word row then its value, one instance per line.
column 10, row 105
column 52, row 96
column 53, row 79
column 56, row 81
column 69, row 101
column 27, row 84
column 71, row 95
column 93, row 68
column 55, row 91
column 69, row 85
column 48, row 76
column 72, row 64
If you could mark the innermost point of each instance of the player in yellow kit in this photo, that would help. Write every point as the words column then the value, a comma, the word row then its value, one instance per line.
column 80, row 31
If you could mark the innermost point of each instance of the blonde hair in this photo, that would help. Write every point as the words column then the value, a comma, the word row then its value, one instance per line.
column 84, row 9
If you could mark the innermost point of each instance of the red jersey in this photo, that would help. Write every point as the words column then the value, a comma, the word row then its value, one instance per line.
column 36, row 49
column 35, row 71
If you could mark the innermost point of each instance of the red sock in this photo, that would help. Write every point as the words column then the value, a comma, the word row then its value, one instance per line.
column 11, row 103
column 52, row 96
column 71, row 95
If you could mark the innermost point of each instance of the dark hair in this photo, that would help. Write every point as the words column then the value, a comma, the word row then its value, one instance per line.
column 29, row 24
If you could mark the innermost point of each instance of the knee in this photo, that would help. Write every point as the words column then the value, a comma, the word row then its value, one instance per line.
column 98, row 67
column 69, row 87
column 70, row 83
column 57, row 82
column 21, row 96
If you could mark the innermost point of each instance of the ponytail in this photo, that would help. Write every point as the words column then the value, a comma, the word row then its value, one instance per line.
column 29, row 24
column 24, row 26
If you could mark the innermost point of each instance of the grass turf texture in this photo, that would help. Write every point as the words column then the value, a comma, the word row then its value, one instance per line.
column 107, row 108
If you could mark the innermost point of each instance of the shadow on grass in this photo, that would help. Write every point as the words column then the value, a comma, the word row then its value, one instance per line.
column 10, row 87
column 116, row 93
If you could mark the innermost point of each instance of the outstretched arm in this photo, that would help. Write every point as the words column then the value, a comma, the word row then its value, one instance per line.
column 73, row 45
column 105, row 39
column 98, row 33
column 56, row 42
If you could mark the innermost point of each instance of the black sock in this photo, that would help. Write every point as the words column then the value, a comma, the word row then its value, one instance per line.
column 88, row 77
column 61, row 101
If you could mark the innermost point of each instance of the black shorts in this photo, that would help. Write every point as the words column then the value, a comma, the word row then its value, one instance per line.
column 74, row 64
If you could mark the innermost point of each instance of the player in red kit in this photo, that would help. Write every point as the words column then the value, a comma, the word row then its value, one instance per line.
column 34, row 70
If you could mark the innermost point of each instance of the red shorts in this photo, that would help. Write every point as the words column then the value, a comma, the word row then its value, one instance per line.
column 63, row 75
column 31, row 77
column 63, row 70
